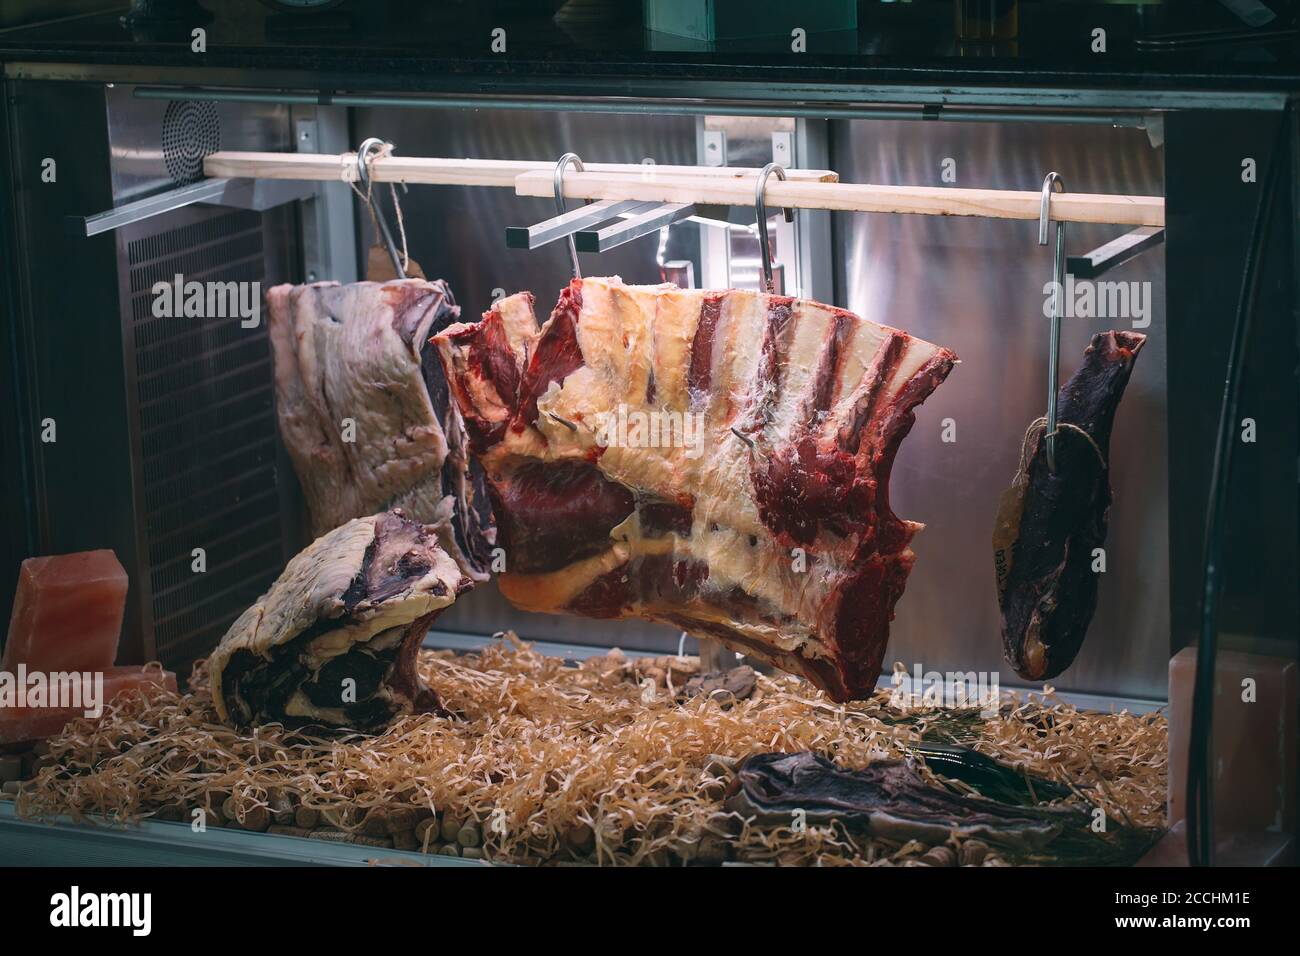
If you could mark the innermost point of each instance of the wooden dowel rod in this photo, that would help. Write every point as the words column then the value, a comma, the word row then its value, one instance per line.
column 855, row 197
column 325, row 167
column 708, row 185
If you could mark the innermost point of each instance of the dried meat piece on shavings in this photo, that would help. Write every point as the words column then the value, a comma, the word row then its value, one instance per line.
column 334, row 641
column 891, row 800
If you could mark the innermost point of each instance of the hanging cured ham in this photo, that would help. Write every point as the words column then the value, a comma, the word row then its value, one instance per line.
column 1052, row 523
column 716, row 461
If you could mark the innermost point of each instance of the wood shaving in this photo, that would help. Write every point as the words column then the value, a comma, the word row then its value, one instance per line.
column 553, row 763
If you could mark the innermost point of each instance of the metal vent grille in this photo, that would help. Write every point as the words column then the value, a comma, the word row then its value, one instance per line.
column 206, row 469
column 191, row 131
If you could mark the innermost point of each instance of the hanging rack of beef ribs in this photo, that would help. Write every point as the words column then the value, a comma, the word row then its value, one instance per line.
column 769, row 529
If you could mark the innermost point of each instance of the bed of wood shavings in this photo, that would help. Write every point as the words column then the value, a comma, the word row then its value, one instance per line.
column 550, row 763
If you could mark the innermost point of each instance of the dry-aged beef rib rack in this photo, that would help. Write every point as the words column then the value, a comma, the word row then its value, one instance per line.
column 334, row 641
column 771, row 533
column 364, row 412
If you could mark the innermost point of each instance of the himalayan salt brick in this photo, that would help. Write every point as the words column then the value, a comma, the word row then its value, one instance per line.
column 67, row 613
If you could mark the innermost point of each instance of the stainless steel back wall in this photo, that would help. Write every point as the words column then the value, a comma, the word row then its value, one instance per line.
column 976, row 286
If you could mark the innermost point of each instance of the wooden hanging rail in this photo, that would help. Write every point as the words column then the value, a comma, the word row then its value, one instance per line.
column 320, row 167
column 858, row 197
column 706, row 185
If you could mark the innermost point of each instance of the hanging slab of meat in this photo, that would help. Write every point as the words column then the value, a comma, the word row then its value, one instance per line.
column 1050, row 524
column 364, row 411
column 67, row 613
column 717, row 461
column 335, row 639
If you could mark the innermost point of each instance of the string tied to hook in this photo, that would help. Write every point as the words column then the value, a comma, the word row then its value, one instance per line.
column 370, row 150
column 1039, row 427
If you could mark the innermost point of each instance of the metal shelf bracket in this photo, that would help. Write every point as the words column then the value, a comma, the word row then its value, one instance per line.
column 1105, row 257
column 648, row 218
column 255, row 194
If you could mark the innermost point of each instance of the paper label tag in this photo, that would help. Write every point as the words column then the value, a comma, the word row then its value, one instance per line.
column 379, row 267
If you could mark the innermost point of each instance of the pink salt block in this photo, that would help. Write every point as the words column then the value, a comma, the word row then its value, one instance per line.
column 67, row 613
column 1254, row 744
column 27, row 724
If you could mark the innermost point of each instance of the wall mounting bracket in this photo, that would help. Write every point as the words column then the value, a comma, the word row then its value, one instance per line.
column 238, row 193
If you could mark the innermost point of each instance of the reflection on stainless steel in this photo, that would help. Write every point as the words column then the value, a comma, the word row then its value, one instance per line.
column 746, row 260
column 749, row 142
column 976, row 286
column 680, row 272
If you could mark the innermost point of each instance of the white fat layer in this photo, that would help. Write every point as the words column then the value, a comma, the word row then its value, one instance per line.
column 519, row 323
column 810, row 326
column 737, row 347
column 675, row 319
column 865, row 346
column 914, row 356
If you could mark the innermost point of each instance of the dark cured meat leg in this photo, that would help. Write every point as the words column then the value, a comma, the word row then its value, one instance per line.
column 888, row 798
column 891, row 801
column 1051, row 590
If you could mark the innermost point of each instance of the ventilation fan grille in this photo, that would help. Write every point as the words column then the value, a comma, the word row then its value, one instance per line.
column 191, row 131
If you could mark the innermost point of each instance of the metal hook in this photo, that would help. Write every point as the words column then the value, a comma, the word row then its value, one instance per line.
column 760, row 209
column 560, row 167
column 373, row 145
column 563, row 421
column 368, row 146
column 1050, row 181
